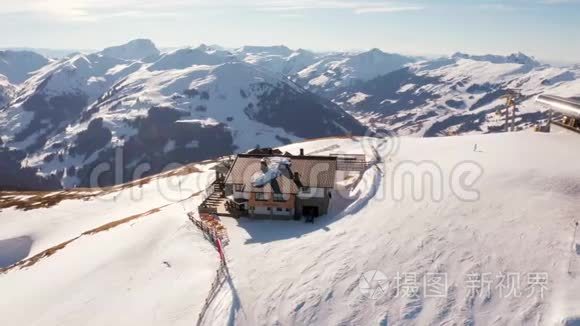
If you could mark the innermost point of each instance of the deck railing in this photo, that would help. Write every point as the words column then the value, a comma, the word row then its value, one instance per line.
column 209, row 190
column 350, row 162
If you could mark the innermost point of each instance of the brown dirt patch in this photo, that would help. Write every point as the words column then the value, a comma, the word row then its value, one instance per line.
column 28, row 200
column 51, row 251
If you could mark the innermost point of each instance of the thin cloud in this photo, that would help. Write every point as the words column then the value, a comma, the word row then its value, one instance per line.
column 371, row 10
column 358, row 7
column 559, row 2
column 292, row 16
column 91, row 10
column 497, row 7
column 523, row 5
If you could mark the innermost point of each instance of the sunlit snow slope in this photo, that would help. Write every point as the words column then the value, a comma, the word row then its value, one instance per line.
column 127, row 256
column 157, row 269
column 6, row 90
column 292, row 273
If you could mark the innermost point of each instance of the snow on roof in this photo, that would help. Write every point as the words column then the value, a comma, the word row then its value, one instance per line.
column 275, row 168
column 313, row 171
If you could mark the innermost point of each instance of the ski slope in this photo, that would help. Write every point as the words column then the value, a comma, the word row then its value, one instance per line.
column 157, row 268
column 292, row 273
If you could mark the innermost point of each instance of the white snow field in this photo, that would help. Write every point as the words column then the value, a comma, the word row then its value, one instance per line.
column 506, row 209
column 292, row 273
column 155, row 269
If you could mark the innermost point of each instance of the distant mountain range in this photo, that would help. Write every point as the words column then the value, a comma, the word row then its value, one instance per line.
column 16, row 66
column 461, row 94
column 49, row 53
column 190, row 104
column 61, row 118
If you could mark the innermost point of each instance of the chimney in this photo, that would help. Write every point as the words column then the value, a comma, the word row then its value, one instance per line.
column 296, row 176
column 302, row 152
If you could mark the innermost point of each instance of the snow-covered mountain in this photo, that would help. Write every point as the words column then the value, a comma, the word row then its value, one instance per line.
column 18, row 65
column 457, row 95
column 129, row 255
column 50, row 53
column 6, row 90
column 279, row 59
column 518, row 58
column 194, row 103
column 336, row 72
column 187, row 57
column 134, row 50
column 189, row 104
column 491, row 239
column 323, row 73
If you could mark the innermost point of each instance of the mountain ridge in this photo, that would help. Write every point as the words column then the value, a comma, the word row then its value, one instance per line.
column 76, row 113
column 16, row 66
column 251, row 96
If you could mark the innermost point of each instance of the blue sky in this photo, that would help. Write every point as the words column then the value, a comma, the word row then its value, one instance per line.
column 547, row 29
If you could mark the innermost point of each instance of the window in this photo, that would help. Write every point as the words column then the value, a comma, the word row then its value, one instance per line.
column 288, row 209
column 238, row 187
column 278, row 209
column 279, row 197
column 260, row 196
column 305, row 190
column 268, row 208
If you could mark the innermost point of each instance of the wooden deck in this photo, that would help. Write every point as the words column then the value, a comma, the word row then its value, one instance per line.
column 216, row 202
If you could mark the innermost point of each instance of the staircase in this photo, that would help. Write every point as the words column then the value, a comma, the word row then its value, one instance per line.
column 215, row 201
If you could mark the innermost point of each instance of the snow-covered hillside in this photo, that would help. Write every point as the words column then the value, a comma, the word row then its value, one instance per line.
column 503, row 211
column 134, row 50
column 457, row 95
column 182, row 106
column 517, row 217
column 323, row 73
column 7, row 91
column 17, row 66
column 120, row 256
column 336, row 72
column 278, row 59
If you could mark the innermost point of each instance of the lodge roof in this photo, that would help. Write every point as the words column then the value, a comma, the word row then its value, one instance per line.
column 312, row 171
